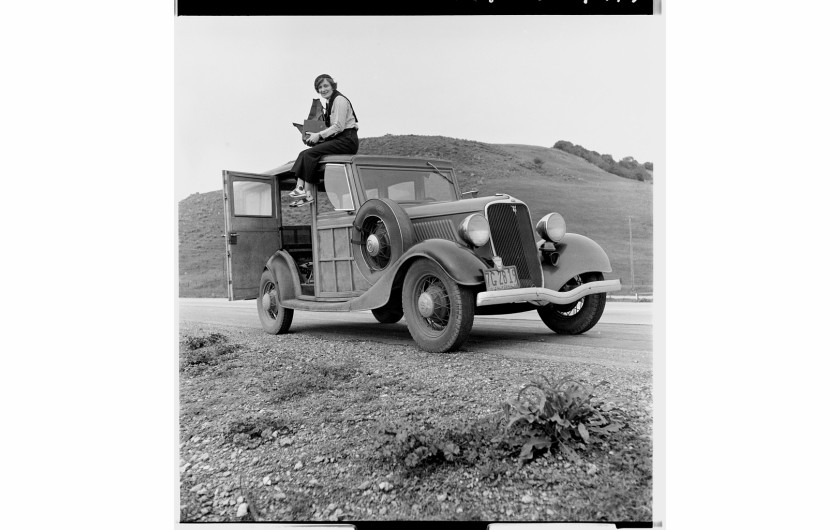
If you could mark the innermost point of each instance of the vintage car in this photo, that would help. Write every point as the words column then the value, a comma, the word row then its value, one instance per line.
column 397, row 236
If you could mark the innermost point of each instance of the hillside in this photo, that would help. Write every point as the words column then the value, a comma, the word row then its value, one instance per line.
column 593, row 202
column 201, row 245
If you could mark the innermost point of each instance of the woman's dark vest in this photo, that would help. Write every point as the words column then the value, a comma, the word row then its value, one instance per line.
column 328, row 112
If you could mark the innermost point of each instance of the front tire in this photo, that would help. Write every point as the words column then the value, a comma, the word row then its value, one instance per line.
column 577, row 317
column 438, row 310
column 274, row 319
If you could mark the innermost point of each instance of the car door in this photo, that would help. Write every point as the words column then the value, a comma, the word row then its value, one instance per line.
column 252, row 230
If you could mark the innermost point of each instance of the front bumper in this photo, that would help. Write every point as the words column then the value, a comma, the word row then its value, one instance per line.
column 542, row 296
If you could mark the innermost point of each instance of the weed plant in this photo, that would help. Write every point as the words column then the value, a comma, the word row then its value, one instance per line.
column 562, row 414
column 199, row 351
column 430, row 444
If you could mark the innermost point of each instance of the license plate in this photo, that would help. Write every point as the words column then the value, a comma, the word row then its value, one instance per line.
column 500, row 279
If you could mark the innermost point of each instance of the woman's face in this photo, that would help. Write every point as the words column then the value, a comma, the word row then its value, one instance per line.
column 325, row 89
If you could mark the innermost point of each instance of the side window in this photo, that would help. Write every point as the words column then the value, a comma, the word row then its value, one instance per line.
column 251, row 198
column 337, row 189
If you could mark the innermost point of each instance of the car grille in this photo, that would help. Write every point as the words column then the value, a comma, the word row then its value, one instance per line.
column 513, row 240
column 435, row 229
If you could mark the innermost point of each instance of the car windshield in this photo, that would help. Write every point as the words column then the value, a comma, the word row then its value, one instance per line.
column 408, row 185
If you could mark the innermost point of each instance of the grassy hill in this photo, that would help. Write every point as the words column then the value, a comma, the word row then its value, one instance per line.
column 201, row 245
column 594, row 203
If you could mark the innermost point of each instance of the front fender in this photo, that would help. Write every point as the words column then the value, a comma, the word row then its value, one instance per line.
column 458, row 262
column 577, row 254
column 285, row 275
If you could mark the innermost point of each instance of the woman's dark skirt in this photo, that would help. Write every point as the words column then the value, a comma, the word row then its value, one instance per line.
column 344, row 143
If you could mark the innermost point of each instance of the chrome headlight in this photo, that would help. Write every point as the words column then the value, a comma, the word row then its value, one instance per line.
column 475, row 230
column 552, row 227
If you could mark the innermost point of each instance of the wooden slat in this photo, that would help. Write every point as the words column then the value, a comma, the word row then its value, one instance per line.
column 341, row 237
column 328, row 284
column 325, row 244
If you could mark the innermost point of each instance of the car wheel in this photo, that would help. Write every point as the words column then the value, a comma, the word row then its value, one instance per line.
column 387, row 314
column 274, row 319
column 438, row 310
column 577, row 317
column 382, row 232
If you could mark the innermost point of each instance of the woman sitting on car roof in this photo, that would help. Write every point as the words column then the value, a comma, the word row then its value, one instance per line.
column 339, row 138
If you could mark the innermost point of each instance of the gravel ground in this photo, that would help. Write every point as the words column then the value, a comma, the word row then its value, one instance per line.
column 295, row 428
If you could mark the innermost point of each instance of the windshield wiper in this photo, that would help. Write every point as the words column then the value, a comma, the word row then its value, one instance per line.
column 441, row 174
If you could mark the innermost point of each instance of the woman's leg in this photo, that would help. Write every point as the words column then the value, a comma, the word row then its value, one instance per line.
column 307, row 161
column 304, row 169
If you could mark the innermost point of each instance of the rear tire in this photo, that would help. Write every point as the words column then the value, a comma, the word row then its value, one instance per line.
column 577, row 317
column 274, row 319
column 438, row 310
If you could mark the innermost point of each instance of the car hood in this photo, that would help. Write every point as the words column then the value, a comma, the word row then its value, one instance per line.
column 435, row 209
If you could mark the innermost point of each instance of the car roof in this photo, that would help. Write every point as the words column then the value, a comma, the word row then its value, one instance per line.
column 376, row 160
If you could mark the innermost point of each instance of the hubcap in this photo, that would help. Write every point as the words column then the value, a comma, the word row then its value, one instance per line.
column 433, row 303
column 426, row 305
column 269, row 300
column 376, row 243
column 372, row 245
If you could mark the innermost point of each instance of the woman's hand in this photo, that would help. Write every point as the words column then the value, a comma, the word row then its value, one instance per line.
column 313, row 139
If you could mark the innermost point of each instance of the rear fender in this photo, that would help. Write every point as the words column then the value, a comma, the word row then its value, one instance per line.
column 285, row 274
column 576, row 254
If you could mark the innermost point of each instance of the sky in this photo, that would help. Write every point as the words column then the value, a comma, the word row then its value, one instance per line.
column 241, row 81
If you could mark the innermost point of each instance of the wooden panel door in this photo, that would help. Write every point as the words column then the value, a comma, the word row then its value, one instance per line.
column 336, row 273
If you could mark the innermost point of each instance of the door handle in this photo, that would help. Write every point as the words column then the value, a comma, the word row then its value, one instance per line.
column 232, row 238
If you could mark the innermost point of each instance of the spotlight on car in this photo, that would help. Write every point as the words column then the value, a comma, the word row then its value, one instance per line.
column 475, row 230
column 552, row 227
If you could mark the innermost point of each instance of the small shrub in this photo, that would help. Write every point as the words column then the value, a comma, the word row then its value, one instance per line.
column 427, row 445
column 206, row 350
column 414, row 448
column 195, row 358
column 538, row 162
column 489, row 468
column 193, row 342
column 563, row 414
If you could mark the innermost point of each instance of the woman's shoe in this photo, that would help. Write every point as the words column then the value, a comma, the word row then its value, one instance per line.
column 297, row 193
column 302, row 202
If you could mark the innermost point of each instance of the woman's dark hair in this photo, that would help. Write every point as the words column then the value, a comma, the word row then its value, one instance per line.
column 329, row 79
